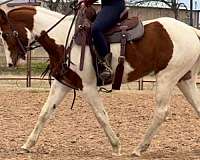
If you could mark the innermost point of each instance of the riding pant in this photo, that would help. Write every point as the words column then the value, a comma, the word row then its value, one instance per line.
column 106, row 18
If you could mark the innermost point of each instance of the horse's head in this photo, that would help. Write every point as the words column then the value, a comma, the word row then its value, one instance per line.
column 13, row 49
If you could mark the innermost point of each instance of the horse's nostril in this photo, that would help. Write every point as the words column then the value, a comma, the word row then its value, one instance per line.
column 10, row 65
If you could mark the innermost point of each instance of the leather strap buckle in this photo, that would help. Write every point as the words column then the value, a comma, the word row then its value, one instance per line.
column 121, row 59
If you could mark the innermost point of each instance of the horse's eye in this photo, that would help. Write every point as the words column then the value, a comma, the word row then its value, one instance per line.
column 15, row 33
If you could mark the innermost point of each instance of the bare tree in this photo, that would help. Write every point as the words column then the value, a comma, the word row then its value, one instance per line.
column 62, row 6
column 173, row 4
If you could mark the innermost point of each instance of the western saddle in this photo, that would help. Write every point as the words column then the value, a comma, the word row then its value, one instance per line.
column 127, row 29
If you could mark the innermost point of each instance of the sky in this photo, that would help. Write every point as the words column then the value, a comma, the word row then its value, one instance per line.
column 196, row 3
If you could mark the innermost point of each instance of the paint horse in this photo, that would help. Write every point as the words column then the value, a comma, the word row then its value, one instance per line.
column 169, row 48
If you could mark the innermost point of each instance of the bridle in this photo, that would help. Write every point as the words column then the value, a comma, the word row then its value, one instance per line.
column 67, row 49
column 14, row 34
column 31, row 46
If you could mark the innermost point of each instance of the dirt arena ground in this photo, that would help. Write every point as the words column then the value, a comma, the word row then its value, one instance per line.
column 76, row 135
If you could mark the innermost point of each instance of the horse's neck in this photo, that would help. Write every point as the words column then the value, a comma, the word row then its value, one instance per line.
column 45, row 19
column 37, row 19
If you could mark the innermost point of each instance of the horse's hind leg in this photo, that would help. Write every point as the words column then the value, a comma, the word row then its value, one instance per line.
column 190, row 90
column 98, row 109
column 163, row 92
column 56, row 95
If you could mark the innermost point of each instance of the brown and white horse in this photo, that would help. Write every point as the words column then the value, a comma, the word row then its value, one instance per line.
column 169, row 48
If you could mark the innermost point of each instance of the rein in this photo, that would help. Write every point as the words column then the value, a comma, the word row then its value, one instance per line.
column 30, row 47
column 51, row 28
column 68, row 56
column 67, row 50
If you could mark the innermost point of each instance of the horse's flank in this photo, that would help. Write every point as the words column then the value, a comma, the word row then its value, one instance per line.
column 144, row 55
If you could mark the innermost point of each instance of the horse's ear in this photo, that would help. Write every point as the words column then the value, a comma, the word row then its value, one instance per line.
column 3, row 17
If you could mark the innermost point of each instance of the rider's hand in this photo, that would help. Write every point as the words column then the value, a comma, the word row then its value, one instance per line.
column 87, row 2
column 82, row 2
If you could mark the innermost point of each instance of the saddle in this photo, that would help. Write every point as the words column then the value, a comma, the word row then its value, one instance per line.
column 133, row 26
column 127, row 29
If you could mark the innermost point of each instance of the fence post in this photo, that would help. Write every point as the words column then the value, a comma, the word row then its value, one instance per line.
column 198, row 22
column 191, row 12
column 28, row 77
column 140, row 84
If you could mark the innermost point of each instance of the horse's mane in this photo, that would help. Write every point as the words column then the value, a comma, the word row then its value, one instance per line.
column 57, row 58
column 50, row 45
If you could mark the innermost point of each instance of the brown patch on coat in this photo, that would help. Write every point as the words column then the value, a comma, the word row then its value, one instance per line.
column 24, row 15
column 57, row 57
column 151, row 53
column 22, row 18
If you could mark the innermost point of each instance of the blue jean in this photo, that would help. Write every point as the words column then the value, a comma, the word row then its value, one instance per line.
column 106, row 18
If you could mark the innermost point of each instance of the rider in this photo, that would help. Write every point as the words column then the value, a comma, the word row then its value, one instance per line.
column 106, row 18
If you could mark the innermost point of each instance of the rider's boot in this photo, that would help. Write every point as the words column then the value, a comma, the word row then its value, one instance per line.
column 105, row 70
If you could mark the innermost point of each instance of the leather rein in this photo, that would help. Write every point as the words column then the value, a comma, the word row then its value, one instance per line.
column 74, row 7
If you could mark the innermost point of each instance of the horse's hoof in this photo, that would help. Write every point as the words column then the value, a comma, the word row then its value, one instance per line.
column 116, row 154
column 117, row 150
column 136, row 153
column 24, row 150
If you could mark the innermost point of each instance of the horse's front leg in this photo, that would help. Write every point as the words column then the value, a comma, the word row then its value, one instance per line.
column 56, row 95
column 93, row 98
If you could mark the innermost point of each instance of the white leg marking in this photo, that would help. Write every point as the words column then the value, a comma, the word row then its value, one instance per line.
column 56, row 95
column 98, row 108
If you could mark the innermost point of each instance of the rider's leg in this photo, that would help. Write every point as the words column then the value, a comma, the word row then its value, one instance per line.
column 106, row 18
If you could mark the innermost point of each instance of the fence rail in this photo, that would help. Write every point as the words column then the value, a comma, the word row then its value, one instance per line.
column 29, row 77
